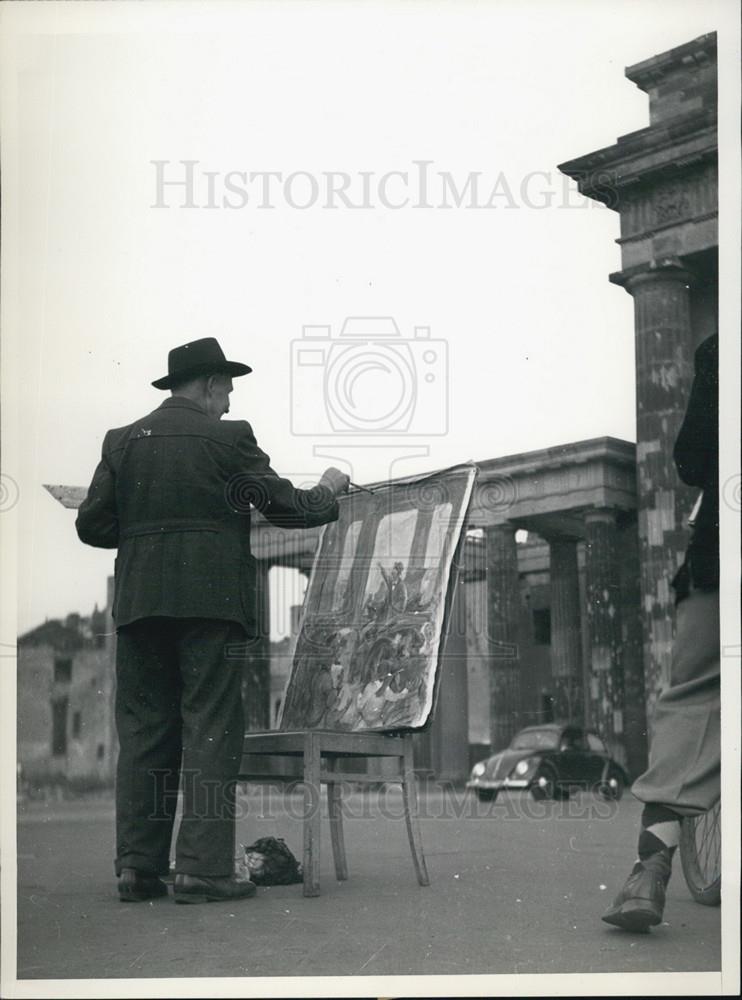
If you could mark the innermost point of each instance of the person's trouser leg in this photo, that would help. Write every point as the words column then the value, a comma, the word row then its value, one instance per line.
column 149, row 731
column 685, row 758
column 683, row 777
column 213, row 730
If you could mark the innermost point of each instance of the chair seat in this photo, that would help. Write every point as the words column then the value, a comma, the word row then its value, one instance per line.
column 333, row 741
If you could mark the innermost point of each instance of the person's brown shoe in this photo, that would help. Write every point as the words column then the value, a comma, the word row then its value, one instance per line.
column 138, row 887
column 211, row 889
column 641, row 902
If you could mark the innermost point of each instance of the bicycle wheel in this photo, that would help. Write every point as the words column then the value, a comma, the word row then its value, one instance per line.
column 700, row 855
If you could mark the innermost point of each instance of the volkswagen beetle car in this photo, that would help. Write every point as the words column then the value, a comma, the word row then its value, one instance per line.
column 550, row 761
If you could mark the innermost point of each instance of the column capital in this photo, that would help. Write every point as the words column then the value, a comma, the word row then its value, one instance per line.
column 601, row 515
column 662, row 269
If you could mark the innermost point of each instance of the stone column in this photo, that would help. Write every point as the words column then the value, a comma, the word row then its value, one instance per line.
column 632, row 649
column 256, row 680
column 664, row 372
column 503, row 619
column 566, row 638
column 450, row 727
column 602, row 584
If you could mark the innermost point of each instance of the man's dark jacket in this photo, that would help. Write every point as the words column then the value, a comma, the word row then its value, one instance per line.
column 696, row 455
column 173, row 493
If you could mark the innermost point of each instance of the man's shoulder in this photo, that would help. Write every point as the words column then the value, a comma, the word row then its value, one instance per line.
column 116, row 437
column 238, row 428
column 181, row 420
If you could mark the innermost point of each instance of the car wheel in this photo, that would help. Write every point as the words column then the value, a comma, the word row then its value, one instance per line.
column 486, row 794
column 544, row 785
column 612, row 788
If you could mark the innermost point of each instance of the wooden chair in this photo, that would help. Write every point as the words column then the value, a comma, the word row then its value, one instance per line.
column 312, row 756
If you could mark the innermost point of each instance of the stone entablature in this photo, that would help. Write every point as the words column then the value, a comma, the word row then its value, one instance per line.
column 677, row 216
column 548, row 491
column 670, row 202
column 609, row 174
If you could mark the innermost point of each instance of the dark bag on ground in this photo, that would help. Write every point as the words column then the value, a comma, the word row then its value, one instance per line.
column 270, row 862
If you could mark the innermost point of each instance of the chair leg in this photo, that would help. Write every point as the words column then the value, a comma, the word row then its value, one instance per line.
column 312, row 815
column 409, row 795
column 335, row 809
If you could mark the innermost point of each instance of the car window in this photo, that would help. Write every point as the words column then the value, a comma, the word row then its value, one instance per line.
column 572, row 739
column 536, row 739
column 595, row 743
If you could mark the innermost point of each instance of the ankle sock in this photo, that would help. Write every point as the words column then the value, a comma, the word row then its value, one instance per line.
column 660, row 831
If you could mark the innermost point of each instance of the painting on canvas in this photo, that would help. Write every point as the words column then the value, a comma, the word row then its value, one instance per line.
column 367, row 652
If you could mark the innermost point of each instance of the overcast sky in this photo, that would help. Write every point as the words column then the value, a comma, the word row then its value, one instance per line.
column 529, row 342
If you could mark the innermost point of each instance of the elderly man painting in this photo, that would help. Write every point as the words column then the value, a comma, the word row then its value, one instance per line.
column 172, row 492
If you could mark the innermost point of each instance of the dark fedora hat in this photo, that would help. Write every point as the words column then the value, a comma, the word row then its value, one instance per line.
column 199, row 357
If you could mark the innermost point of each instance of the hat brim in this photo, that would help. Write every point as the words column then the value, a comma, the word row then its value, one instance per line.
column 233, row 368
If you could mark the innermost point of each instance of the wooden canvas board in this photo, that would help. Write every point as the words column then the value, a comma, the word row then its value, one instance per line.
column 374, row 616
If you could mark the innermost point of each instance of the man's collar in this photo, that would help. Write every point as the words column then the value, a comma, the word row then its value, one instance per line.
column 181, row 401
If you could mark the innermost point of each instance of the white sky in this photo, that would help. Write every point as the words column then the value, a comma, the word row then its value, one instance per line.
column 101, row 285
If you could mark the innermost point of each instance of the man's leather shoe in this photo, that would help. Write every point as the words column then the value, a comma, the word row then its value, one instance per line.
column 137, row 887
column 211, row 889
column 641, row 902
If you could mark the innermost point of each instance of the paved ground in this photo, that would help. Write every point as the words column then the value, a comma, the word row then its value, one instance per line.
column 515, row 887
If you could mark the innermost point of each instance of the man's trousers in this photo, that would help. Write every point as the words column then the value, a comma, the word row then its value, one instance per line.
column 179, row 719
column 685, row 757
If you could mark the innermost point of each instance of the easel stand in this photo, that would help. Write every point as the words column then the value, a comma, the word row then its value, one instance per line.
column 312, row 755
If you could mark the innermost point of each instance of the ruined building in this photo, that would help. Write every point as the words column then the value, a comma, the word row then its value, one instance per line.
column 65, row 701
